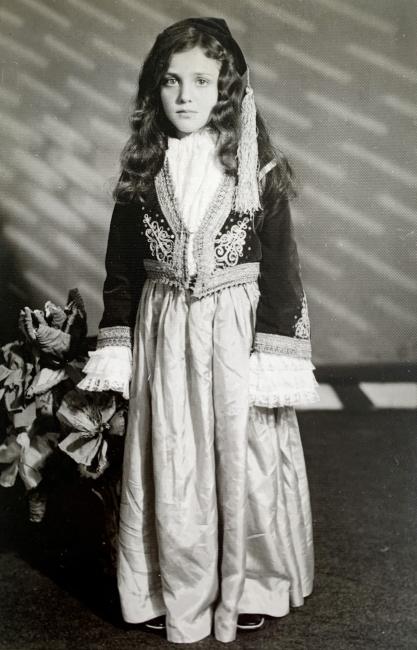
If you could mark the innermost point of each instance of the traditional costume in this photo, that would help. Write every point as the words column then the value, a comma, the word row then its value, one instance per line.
column 206, row 320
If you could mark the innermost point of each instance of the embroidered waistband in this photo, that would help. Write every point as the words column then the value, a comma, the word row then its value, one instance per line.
column 202, row 285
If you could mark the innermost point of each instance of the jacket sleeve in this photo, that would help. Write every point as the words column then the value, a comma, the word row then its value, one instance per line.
column 281, row 371
column 282, row 321
column 110, row 366
column 125, row 277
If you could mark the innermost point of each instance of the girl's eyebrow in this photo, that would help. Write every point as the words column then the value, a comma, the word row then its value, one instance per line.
column 196, row 74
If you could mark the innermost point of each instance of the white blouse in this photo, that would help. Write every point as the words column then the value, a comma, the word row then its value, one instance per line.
column 196, row 174
column 275, row 380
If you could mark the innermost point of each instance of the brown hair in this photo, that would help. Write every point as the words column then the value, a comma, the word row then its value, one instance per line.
column 143, row 154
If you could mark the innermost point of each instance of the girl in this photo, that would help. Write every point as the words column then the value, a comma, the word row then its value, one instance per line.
column 203, row 283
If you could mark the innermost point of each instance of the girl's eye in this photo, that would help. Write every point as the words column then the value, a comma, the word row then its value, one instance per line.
column 202, row 82
column 169, row 81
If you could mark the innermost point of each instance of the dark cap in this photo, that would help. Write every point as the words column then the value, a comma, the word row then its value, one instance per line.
column 216, row 27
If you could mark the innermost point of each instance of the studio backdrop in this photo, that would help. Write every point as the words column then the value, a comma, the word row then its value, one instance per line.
column 336, row 82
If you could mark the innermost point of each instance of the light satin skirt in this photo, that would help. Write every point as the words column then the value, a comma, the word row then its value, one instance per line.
column 215, row 510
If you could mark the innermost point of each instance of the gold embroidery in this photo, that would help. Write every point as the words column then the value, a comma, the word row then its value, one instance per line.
column 302, row 326
column 160, row 241
column 229, row 245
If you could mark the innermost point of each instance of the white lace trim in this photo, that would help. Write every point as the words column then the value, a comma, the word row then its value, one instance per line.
column 109, row 368
column 196, row 174
column 278, row 380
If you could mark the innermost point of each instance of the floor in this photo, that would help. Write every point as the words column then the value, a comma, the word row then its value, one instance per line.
column 54, row 593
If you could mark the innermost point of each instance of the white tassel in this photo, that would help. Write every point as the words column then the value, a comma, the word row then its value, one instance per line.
column 247, row 193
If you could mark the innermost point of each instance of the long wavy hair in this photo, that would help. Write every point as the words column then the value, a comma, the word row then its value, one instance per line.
column 143, row 155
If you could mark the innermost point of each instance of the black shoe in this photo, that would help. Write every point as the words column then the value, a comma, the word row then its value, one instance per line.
column 157, row 624
column 249, row 622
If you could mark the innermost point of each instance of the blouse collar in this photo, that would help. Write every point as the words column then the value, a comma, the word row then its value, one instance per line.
column 196, row 173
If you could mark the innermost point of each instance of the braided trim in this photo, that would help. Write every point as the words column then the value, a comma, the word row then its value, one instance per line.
column 279, row 344
column 204, row 242
column 170, row 209
column 118, row 335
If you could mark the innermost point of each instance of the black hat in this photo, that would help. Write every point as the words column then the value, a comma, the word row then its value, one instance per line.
column 216, row 27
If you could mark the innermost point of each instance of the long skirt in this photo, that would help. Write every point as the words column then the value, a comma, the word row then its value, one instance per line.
column 215, row 511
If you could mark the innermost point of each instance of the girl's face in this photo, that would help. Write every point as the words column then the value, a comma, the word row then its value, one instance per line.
column 189, row 90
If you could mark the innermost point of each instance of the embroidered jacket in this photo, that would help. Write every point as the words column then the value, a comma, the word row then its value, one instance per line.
column 150, row 240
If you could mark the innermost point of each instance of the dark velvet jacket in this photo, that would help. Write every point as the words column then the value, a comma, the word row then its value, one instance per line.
column 150, row 240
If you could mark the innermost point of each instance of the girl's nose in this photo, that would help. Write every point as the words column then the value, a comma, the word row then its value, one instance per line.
column 184, row 93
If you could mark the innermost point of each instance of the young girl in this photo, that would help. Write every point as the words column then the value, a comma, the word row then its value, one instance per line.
column 203, row 283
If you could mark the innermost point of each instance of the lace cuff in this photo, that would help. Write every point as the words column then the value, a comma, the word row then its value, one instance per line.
column 108, row 368
column 279, row 380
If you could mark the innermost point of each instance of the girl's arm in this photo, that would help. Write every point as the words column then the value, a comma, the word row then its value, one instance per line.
column 124, row 278
column 109, row 367
column 281, row 368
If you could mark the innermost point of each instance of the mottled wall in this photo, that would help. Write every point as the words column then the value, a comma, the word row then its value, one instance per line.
column 337, row 83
